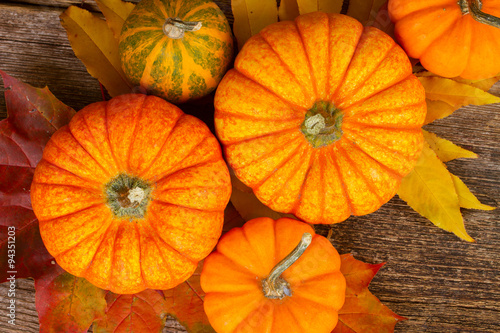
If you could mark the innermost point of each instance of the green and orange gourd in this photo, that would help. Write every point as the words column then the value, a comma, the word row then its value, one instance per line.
column 176, row 49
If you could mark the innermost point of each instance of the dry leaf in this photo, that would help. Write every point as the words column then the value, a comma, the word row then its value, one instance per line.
column 326, row 6
column 288, row 10
column 444, row 96
column 115, row 12
column 365, row 11
column 465, row 197
column 362, row 311
column 446, row 150
column 430, row 191
column 251, row 16
column 94, row 44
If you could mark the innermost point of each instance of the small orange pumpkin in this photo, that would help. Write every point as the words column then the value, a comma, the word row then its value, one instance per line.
column 321, row 117
column 257, row 282
column 131, row 194
column 450, row 38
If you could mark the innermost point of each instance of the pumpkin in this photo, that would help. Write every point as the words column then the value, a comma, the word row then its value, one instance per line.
column 273, row 276
column 131, row 194
column 176, row 49
column 451, row 38
column 321, row 117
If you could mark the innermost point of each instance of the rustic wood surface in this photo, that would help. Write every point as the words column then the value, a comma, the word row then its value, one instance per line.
column 437, row 281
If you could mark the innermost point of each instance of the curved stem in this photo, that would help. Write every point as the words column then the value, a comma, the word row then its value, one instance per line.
column 175, row 27
column 274, row 286
column 473, row 7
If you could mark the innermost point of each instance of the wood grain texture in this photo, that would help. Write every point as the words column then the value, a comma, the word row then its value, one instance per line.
column 440, row 283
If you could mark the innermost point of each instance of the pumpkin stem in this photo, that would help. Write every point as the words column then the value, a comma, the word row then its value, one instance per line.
column 127, row 196
column 322, row 124
column 473, row 7
column 175, row 28
column 274, row 286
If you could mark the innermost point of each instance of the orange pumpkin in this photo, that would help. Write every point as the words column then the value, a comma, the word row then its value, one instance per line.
column 321, row 117
column 451, row 38
column 257, row 282
column 131, row 194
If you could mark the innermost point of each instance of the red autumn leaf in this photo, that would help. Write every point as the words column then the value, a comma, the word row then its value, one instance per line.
column 66, row 303
column 185, row 303
column 135, row 313
column 362, row 311
column 33, row 116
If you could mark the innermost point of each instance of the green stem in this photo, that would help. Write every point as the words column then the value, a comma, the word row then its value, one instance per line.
column 473, row 7
column 175, row 27
column 274, row 286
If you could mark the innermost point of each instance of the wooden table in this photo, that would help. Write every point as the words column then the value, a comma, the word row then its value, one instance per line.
column 440, row 283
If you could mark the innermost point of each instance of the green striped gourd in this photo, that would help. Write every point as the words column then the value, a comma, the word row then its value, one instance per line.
column 176, row 49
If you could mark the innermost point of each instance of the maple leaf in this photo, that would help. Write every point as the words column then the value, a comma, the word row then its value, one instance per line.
column 185, row 303
column 34, row 114
column 141, row 312
column 362, row 311
column 66, row 303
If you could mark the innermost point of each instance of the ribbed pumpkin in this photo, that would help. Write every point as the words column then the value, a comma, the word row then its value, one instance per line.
column 176, row 49
column 256, row 281
column 131, row 194
column 451, row 38
column 321, row 117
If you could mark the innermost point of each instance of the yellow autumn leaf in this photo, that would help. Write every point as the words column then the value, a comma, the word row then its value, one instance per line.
column 251, row 16
column 115, row 12
column 484, row 84
column 94, row 44
column 454, row 94
column 364, row 11
column 465, row 197
column 326, row 6
column 446, row 150
column 430, row 191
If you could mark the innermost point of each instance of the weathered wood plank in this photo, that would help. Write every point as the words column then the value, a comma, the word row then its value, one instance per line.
column 441, row 284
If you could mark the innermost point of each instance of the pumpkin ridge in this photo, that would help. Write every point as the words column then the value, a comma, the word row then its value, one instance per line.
column 330, row 156
column 279, row 165
column 89, row 131
column 279, row 191
column 266, row 154
column 167, row 173
column 135, row 123
column 161, row 43
column 382, row 147
column 98, row 184
column 160, row 238
column 361, row 175
column 174, row 125
column 383, row 166
column 106, row 126
column 297, row 204
column 197, row 165
column 364, row 79
column 186, row 16
column 368, row 77
column 348, row 116
column 284, row 64
column 75, row 160
column 84, row 273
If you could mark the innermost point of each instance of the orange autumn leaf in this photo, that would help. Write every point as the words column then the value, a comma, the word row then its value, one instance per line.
column 94, row 43
column 185, row 303
column 134, row 313
column 251, row 16
column 362, row 311
column 66, row 303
